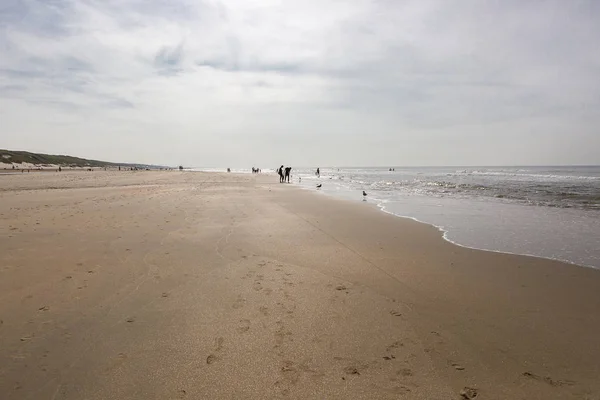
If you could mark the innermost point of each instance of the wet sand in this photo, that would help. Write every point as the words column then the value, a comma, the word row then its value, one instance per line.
column 167, row 285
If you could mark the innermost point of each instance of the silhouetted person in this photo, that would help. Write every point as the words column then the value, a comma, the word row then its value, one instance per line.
column 280, row 172
column 318, row 173
column 287, row 174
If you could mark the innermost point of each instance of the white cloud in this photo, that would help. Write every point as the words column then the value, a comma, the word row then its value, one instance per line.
column 302, row 82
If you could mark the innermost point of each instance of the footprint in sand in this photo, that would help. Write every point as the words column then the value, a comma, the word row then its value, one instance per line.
column 239, row 303
column 244, row 326
column 468, row 393
column 290, row 372
column 211, row 359
column 548, row 380
column 219, row 343
column 394, row 345
column 457, row 366
column 264, row 311
column 396, row 313
column 401, row 390
column 351, row 370
column 341, row 288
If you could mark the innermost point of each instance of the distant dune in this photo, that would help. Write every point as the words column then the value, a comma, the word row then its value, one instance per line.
column 25, row 159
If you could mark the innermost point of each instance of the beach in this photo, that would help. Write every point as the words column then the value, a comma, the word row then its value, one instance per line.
column 167, row 285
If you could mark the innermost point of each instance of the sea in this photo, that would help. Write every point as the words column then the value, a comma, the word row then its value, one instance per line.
column 550, row 212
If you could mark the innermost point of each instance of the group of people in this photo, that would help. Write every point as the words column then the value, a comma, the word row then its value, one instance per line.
column 255, row 170
column 284, row 174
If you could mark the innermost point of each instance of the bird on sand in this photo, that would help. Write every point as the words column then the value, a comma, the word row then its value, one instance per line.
column 319, row 186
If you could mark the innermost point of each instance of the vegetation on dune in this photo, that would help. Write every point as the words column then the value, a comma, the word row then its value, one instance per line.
column 19, row 157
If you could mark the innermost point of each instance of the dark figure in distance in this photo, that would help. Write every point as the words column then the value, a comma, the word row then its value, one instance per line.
column 318, row 173
column 280, row 172
column 287, row 174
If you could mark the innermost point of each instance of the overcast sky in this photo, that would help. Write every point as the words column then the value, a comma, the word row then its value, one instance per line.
column 303, row 82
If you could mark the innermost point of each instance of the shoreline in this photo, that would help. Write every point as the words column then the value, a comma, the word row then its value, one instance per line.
column 446, row 238
column 446, row 232
column 160, row 284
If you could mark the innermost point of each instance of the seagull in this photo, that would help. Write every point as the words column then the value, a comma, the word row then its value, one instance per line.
column 364, row 193
column 319, row 186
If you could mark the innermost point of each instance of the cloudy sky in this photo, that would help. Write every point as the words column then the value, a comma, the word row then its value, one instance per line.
column 303, row 82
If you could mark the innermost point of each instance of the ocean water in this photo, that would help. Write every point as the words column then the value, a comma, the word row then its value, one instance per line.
column 551, row 212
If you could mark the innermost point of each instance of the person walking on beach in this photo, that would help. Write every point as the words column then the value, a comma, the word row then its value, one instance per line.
column 280, row 172
column 318, row 174
column 287, row 174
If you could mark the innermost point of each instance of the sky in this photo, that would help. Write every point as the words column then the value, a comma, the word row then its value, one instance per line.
column 240, row 83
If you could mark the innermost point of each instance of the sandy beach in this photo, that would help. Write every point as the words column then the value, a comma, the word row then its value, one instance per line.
column 181, row 285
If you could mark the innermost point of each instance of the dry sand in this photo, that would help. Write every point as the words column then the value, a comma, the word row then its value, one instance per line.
column 167, row 285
